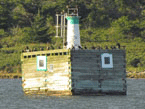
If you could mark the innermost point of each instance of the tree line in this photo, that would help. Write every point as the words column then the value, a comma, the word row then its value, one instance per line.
column 34, row 20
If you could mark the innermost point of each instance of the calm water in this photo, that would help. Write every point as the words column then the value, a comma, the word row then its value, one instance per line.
column 12, row 97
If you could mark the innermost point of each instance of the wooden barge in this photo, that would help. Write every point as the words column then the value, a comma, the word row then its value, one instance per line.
column 74, row 72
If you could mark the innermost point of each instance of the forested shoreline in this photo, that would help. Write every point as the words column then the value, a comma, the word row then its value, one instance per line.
column 102, row 23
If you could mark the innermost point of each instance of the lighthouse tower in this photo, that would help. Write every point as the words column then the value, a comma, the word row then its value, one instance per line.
column 73, row 32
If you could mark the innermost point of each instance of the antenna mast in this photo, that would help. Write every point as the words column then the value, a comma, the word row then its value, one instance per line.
column 61, row 26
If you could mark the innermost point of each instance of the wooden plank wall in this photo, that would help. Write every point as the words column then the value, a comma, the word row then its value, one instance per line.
column 78, row 71
column 53, row 81
column 88, row 76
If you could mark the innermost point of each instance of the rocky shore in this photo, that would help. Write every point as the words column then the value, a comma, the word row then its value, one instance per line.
column 10, row 75
column 135, row 74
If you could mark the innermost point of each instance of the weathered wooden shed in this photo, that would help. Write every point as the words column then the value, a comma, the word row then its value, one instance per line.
column 72, row 72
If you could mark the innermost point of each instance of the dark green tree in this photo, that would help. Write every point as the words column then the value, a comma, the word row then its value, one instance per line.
column 20, row 17
column 32, row 6
column 39, row 29
column 5, row 14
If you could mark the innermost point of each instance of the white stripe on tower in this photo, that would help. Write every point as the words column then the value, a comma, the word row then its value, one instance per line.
column 73, row 32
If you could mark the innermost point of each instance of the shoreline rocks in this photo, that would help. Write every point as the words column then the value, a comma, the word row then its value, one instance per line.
column 135, row 74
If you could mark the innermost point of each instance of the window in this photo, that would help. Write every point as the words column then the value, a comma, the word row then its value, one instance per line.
column 51, row 68
column 107, row 61
column 48, row 54
column 33, row 55
column 60, row 53
column 56, row 54
column 29, row 56
column 64, row 53
column 41, row 63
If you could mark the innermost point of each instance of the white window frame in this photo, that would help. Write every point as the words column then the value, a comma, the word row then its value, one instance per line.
column 103, row 60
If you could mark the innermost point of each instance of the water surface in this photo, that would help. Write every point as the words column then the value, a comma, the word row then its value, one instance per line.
column 12, row 97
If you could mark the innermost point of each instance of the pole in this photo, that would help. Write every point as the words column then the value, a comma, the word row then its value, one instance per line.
column 61, row 24
column 56, row 25
column 64, row 31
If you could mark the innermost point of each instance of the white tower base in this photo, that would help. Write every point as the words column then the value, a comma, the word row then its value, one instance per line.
column 73, row 33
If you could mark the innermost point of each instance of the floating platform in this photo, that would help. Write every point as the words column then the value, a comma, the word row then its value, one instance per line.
column 74, row 72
